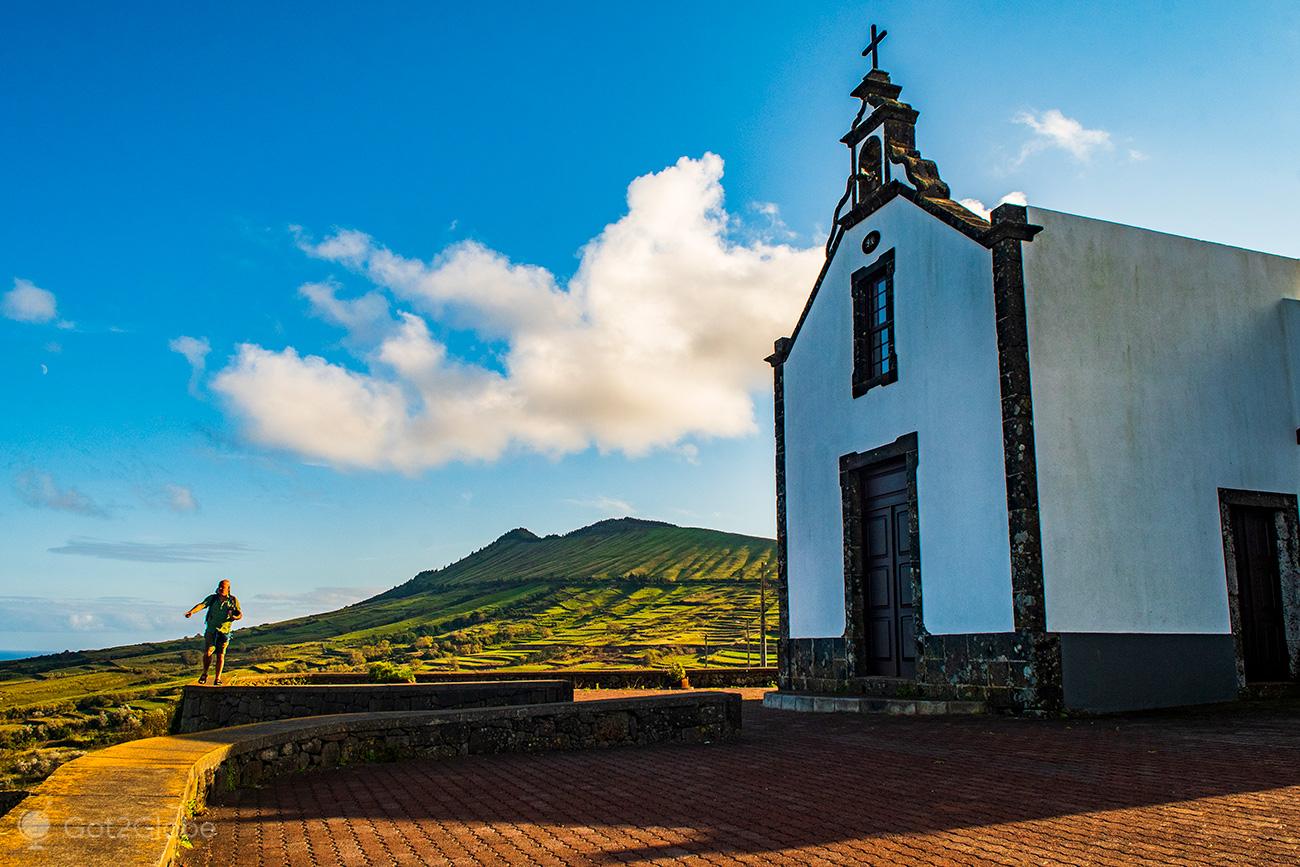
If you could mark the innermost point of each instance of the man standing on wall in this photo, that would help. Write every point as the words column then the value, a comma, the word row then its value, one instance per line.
column 223, row 611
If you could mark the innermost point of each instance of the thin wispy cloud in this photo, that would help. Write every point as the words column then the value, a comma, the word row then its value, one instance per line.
column 96, row 621
column 605, row 505
column 172, row 497
column 181, row 499
column 1054, row 130
column 659, row 336
column 112, row 614
column 40, row 491
column 775, row 227
column 154, row 552
column 195, row 350
column 365, row 318
column 319, row 598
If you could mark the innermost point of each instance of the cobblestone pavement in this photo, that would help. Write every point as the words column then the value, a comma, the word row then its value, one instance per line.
column 812, row 789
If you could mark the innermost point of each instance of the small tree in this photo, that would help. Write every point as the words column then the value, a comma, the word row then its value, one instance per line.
column 389, row 672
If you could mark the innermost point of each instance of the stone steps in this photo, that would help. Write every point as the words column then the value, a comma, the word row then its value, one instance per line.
column 867, row 704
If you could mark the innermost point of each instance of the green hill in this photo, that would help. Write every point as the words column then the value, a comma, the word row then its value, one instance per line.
column 602, row 594
column 623, row 592
column 620, row 548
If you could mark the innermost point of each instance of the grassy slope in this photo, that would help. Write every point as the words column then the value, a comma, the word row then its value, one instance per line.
column 618, row 593
column 647, row 582
column 608, row 550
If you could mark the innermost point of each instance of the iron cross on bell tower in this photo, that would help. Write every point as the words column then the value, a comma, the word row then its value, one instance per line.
column 873, row 48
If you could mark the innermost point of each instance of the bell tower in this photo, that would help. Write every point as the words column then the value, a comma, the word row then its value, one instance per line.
column 883, row 159
column 882, row 143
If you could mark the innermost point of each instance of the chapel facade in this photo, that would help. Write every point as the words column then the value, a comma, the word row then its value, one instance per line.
column 1041, row 461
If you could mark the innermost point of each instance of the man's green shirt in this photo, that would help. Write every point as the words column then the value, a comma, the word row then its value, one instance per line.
column 221, row 611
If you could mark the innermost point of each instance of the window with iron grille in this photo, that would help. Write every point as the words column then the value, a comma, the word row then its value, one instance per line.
column 874, row 359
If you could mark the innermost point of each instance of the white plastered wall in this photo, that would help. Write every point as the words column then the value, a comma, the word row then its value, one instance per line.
column 1159, row 371
column 947, row 392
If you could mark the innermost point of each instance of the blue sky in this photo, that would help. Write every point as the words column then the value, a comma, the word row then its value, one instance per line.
column 531, row 347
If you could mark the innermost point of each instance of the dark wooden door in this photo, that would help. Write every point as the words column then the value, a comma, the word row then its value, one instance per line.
column 1259, row 593
column 889, row 618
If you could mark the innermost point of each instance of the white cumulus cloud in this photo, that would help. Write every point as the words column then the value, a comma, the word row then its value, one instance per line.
column 27, row 302
column 1015, row 197
column 1052, row 129
column 658, row 336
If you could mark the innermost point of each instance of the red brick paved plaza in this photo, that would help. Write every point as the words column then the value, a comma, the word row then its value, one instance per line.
column 1203, row 788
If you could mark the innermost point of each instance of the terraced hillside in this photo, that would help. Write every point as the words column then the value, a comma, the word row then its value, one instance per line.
column 623, row 585
column 619, row 593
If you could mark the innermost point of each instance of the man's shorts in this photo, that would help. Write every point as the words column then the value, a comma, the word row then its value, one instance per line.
column 216, row 638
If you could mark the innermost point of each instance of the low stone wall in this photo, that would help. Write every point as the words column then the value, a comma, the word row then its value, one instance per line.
column 617, row 678
column 689, row 718
column 204, row 707
column 134, row 802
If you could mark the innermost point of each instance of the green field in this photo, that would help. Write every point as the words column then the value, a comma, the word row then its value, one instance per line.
column 617, row 594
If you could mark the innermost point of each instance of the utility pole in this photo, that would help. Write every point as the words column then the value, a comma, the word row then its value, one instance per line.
column 762, row 619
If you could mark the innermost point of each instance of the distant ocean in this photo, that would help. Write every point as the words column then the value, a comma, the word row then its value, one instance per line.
column 23, row 654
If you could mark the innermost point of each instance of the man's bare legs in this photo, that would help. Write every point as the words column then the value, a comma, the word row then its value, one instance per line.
column 207, row 660
column 221, row 663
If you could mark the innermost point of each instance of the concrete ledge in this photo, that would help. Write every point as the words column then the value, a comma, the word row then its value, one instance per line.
column 130, row 804
column 866, row 704
column 206, row 707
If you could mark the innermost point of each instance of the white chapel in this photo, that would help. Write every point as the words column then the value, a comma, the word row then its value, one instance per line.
column 1043, row 461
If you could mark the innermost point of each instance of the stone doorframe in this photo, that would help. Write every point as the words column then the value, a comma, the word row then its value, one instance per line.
column 851, row 503
column 1288, row 549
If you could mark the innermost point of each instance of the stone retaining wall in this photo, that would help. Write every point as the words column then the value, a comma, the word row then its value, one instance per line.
column 692, row 718
column 619, row 678
column 204, row 707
